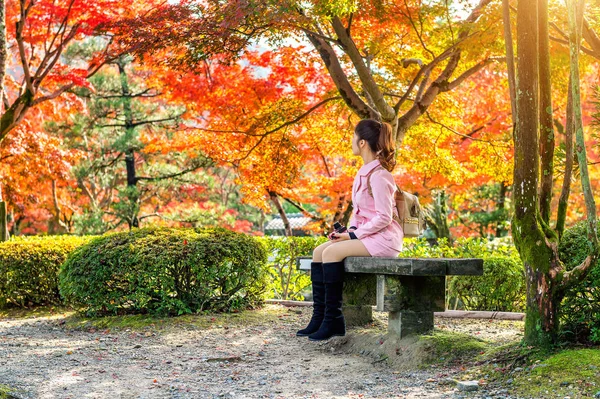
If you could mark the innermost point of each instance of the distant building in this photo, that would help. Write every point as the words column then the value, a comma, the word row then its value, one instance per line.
column 297, row 221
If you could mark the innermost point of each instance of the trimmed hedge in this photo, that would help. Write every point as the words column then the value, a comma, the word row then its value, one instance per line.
column 580, row 308
column 29, row 268
column 165, row 271
column 502, row 286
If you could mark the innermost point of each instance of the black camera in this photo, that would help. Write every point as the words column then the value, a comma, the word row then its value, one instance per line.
column 338, row 228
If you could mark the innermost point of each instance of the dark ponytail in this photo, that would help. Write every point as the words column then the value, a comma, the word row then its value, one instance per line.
column 380, row 139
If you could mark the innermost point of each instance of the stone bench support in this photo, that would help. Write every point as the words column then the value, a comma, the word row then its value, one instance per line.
column 410, row 290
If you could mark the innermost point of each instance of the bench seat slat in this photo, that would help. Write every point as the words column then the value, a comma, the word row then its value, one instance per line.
column 408, row 266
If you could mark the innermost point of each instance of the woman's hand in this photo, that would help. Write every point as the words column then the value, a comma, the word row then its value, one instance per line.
column 339, row 236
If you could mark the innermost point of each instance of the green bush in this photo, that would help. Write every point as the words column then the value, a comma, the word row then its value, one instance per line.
column 165, row 271
column 286, row 282
column 580, row 308
column 29, row 268
column 502, row 286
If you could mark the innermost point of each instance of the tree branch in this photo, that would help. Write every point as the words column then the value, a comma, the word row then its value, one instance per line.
column 54, row 94
column 156, row 214
column 173, row 175
column 21, row 44
column 140, row 123
column 364, row 73
column 440, row 84
column 304, row 211
column 468, row 136
column 469, row 72
column 338, row 75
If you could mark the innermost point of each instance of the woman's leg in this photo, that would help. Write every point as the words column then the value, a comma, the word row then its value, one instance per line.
column 341, row 250
column 318, row 251
column 318, row 291
column 333, row 278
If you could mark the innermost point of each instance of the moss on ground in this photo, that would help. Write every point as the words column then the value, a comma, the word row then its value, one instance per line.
column 572, row 372
column 540, row 374
column 445, row 347
column 38, row 311
column 73, row 320
column 7, row 392
column 265, row 315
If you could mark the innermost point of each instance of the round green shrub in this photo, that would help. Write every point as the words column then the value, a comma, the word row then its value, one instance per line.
column 501, row 288
column 580, row 308
column 29, row 268
column 165, row 271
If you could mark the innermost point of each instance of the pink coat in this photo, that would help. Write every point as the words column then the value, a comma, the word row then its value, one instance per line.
column 381, row 235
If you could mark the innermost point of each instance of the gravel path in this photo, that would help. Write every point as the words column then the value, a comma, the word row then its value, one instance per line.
column 44, row 359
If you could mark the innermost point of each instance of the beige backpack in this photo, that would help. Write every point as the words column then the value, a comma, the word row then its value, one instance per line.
column 408, row 212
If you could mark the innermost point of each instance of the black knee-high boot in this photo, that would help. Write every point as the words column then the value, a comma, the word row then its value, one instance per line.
column 333, row 324
column 318, row 290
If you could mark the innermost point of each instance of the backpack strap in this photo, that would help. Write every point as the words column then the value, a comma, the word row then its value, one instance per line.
column 398, row 197
column 369, row 189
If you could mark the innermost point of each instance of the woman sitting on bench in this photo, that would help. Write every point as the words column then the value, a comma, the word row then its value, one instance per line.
column 373, row 231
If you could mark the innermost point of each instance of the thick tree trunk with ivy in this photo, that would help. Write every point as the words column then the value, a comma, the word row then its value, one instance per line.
column 535, row 248
column 547, row 279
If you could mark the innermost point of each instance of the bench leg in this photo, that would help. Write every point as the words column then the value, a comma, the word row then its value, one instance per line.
column 411, row 301
column 358, row 296
column 408, row 323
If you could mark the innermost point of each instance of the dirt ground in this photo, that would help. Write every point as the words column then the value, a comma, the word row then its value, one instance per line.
column 237, row 357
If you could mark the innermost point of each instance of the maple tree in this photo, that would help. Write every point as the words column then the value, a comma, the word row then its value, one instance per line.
column 42, row 32
column 358, row 47
column 35, row 166
column 271, row 93
column 34, row 37
column 384, row 62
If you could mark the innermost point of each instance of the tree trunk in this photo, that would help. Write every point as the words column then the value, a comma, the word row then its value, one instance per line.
column 576, row 8
column 545, row 112
column 541, row 324
column 437, row 216
column 3, row 219
column 286, row 223
column 132, row 180
column 347, row 214
column 2, row 51
column 56, row 226
column 563, row 200
column 501, row 206
column 339, row 209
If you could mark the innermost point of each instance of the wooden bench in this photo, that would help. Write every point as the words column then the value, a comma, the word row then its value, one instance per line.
column 409, row 289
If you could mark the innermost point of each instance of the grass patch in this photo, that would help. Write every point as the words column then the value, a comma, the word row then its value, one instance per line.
column 445, row 347
column 72, row 320
column 7, row 392
column 541, row 374
column 265, row 315
column 35, row 312
column 571, row 372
